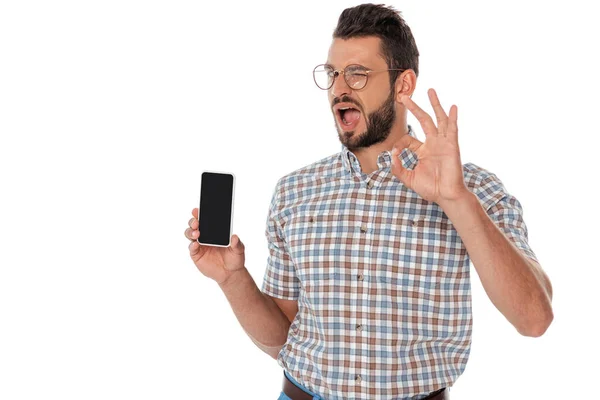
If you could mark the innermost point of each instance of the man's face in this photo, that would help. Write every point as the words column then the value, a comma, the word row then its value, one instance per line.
column 372, row 112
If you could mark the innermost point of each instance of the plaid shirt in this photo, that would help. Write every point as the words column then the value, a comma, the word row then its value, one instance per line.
column 380, row 274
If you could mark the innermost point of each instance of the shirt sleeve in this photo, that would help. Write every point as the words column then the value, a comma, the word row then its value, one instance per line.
column 506, row 212
column 280, row 279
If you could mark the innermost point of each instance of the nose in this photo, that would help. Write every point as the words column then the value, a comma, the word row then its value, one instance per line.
column 340, row 87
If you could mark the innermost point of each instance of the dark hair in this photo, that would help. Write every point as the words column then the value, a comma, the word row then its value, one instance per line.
column 398, row 45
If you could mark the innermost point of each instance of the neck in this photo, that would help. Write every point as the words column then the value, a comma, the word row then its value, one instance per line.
column 367, row 156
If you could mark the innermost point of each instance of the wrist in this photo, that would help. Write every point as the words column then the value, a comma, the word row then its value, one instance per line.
column 465, row 197
column 460, row 206
column 231, row 278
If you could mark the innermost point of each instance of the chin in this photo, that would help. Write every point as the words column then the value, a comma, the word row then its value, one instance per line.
column 348, row 138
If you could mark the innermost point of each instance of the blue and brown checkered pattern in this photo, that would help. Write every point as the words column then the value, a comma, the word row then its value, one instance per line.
column 380, row 275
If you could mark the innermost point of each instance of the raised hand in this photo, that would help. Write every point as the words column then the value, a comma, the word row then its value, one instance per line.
column 438, row 175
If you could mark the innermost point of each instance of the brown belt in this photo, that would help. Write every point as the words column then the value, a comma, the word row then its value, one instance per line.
column 295, row 393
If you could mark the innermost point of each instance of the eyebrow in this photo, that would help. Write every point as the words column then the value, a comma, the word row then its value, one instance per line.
column 360, row 65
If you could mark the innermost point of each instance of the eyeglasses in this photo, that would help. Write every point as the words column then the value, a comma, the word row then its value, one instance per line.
column 355, row 75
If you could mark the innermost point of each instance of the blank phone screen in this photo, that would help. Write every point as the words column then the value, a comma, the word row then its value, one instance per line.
column 216, row 206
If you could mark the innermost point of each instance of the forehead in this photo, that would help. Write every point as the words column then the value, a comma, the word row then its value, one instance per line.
column 364, row 51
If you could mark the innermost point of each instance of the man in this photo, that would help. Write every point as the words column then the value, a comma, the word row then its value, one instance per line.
column 366, row 294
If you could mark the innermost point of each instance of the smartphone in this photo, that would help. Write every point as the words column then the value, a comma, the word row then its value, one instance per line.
column 216, row 208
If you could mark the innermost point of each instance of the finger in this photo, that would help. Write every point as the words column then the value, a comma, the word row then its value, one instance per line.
column 194, row 247
column 403, row 174
column 236, row 245
column 193, row 222
column 192, row 234
column 453, row 122
column 423, row 118
column 406, row 142
column 440, row 114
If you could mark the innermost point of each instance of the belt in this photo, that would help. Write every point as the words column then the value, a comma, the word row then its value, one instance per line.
column 295, row 393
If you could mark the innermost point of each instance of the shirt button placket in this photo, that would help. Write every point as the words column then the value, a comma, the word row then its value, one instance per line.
column 359, row 274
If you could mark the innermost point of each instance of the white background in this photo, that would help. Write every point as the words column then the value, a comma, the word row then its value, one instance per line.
column 110, row 110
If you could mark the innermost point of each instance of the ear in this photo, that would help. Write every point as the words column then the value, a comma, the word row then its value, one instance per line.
column 405, row 84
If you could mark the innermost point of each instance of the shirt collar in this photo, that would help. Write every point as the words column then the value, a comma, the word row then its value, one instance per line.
column 350, row 162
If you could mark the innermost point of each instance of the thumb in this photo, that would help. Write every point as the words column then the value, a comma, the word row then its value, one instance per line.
column 236, row 243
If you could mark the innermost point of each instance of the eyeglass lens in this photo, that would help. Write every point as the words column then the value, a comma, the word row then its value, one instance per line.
column 355, row 76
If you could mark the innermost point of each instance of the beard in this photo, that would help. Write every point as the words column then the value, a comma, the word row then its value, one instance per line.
column 379, row 125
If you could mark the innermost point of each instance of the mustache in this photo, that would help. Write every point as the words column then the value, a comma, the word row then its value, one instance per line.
column 345, row 99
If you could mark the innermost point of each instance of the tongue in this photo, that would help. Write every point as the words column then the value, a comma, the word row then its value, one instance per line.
column 351, row 115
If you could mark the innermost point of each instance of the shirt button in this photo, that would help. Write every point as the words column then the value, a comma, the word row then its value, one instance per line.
column 360, row 277
column 289, row 347
column 370, row 184
column 357, row 379
column 415, row 222
column 311, row 219
column 363, row 228
column 359, row 327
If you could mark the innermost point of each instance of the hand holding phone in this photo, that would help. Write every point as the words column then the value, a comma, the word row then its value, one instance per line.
column 209, row 230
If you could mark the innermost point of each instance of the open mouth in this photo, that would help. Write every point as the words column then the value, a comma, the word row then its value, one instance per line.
column 348, row 117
